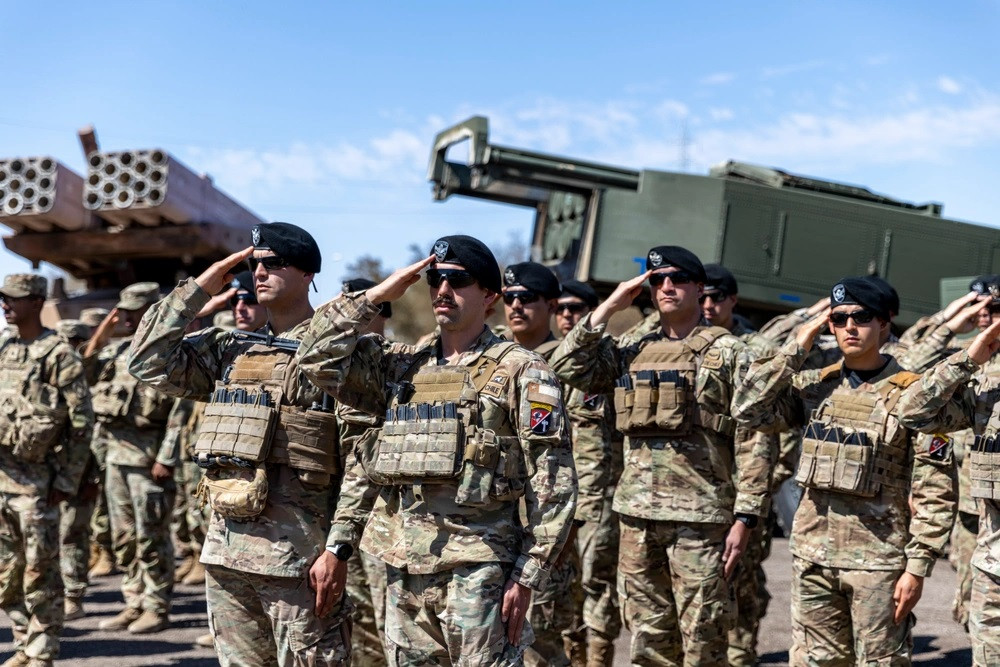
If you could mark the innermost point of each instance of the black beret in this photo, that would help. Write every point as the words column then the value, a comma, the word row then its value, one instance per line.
column 890, row 291
column 581, row 291
column 472, row 255
column 289, row 242
column 243, row 281
column 534, row 276
column 862, row 292
column 358, row 284
column 981, row 284
column 673, row 255
column 718, row 277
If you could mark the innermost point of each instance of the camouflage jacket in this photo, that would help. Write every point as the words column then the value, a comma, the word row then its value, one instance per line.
column 426, row 529
column 291, row 532
column 705, row 477
column 56, row 382
column 959, row 394
column 182, row 428
column 135, row 437
column 841, row 530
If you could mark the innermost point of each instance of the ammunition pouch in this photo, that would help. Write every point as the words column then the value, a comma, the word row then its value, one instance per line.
column 243, row 430
column 35, row 430
column 984, row 467
column 234, row 492
column 418, row 450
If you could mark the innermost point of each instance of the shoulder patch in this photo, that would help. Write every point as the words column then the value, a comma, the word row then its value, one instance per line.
column 713, row 360
column 496, row 385
column 940, row 447
column 831, row 371
column 904, row 379
column 541, row 418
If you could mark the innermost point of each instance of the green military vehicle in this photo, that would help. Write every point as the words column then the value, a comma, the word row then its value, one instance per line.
column 787, row 238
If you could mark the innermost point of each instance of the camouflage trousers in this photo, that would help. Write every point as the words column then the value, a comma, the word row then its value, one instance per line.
column 140, row 521
column 189, row 519
column 845, row 617
column 984, row 618
column 74, row 544
column 263, row 621
column 100, row 522
column 366, row 587
column 963, row 543
column 674, row 599
column 31, row 589
column 749, row 589
column 597, row 542
column 450, row 618
column 555, row 615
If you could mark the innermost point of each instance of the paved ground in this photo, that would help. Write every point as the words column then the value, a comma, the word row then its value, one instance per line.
column 940, row 642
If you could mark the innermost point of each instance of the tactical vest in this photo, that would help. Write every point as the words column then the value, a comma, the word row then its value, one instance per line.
column 984, row 454
column 119, row 396
column 657, row 397
column 847, row 445
column 31, row 419
column 434, row 432
column 246, row 423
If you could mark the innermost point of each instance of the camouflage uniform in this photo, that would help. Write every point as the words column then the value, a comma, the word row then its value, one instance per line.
column 450, row 543
column 46, row 372
column 958, row 394
column 853, row 530
column 681, row 486
column 74, row 532
column 131, row 423
column 260, row 606
column 189, row 519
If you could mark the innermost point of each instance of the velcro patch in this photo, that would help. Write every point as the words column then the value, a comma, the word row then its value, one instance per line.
column 712, row 360
column 543, row 393
column 496, row 385
column 940, row 447
column 593, row 401
column 541, row 418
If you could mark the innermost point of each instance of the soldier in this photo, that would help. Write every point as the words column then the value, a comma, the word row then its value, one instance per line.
column 853, row 530
column 530, row 291
column 138, row 468
column 749, row 583
column 689, row 494
column 45, row 425
column 271, row 599
column 487, row 416
column 597, row 452
column 75, row 511
column 961, row 392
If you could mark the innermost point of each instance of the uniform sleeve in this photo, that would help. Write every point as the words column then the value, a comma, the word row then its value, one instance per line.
column 921, row 328
column 357, row 492
column 339, row 360
column 922, row 354
column 593, row 440
column 942, row 400
column 587, row 359
column 755, row 454
column 781, row 328
column 766, row 399
column 74, row 395
column 934, row 500
column 550, row 492
column 160, row 354
column 170, row 447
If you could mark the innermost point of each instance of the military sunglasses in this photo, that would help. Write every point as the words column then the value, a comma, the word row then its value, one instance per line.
column 714, row 295
column 676, row 277
column 246, row 298
column 573, row 308
column 859, row 317
column 524, row 296
column 457, row 278
column 271, row 263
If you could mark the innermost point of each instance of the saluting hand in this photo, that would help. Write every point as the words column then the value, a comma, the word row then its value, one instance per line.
column 396, row 285
column 964, row 320
column 220, row 274
column 103, row 333
column 958, row 304
column 985, row 344
column 218, row 302
column 818, row 307
column 807, row 333
column 620, row 299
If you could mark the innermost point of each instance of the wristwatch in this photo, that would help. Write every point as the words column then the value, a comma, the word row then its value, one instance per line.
column 342, row 550
column 748, row 520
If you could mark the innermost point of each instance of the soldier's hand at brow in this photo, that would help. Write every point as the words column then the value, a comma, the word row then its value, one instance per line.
column 217, row 302
column 735, row 546
column 807, row 333
column 909, row 588
column 620, row 299
column 965, row 320
column 516, row 600
column 958, row 304
column 327, row 576
column 396, row 285
column 818, row 307
column 985, row 344
column 103, row 333
column 220, row 274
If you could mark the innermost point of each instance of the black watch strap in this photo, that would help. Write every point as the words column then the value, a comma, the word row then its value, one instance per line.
column 342, row 550
column 749, row 520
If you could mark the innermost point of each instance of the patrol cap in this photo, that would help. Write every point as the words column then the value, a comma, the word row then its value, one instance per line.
column 580, row 290
column 72, row 329
column 358, row 284
column 289, row 242
column 720, row 279
column 242, row 281
column 138, row 295
column 673, row 255
column 534, row 276
column 862, row 292
column 472, row 255
column 890, row 291
column 93, row 316
column 20, row 285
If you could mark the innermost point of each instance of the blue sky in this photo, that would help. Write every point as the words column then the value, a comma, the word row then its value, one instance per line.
column 323, row 113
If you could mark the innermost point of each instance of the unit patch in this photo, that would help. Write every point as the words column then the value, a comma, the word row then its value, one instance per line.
column 712, row 360
column 541, row 418
column 593, row 401
column 940, row 447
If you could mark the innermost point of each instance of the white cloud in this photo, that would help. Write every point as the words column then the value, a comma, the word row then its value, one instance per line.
column 721, row 114
column 946, row 84
column 717, row 79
